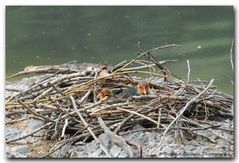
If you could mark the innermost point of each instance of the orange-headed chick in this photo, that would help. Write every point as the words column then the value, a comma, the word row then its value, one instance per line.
column 143, row 88
column 104, row 92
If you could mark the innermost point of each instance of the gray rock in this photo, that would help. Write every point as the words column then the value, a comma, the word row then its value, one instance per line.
column 147, row 138
column 79, row 148
column 115, row 151
column 65, row 150
column 153, row 151
column 95, row 154
column 191, row 142
column 34, row 124
column 92, row 147
column 168, row 140
column 167, row 150
column 11, row 133
column 21, row 151
column 105, row 140
column 123, row 154
column 189, row 148
column 76, row 154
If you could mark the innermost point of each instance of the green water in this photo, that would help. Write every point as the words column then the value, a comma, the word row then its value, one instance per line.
column 54, row 35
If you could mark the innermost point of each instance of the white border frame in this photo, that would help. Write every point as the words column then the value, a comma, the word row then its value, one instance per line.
column 4, row 3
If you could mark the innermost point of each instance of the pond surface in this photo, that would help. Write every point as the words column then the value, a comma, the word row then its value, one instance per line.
column 55, row 35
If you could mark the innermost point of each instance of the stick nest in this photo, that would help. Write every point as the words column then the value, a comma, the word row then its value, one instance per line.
column 70, row 100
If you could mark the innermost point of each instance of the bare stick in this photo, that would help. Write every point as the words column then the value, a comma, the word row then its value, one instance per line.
column 138, row 146
column 159, row 118
column 110, row 107
column 73, row 138
column 12, row 89
column 122, row 123
column 85, row 97
column 231, row 54
column 30, row 134
column 17, row 120
column 189, row 70
column 56, row 89
column 87, row 125
column 119, row 140
column 95, row 104
column 142, row 54
column 43, row 94
column 94, row 91
column 138, row 68
column 64, row 127
column 138, row 114
column 182, row 111
column 35, row 113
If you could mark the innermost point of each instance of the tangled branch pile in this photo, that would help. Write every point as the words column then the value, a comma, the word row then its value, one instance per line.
column 79, row 102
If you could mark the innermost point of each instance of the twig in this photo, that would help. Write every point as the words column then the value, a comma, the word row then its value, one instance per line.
column 146, row 52
column 30, row 134
column 110, row 107
column 182, row 111
column 119, row 140
column 138, row 146
column 73, row 138
column 138, row 114
column 189, row 70
column 138, row 68
column 159, row 117
column 17, row 120
column 35, row 113
column 12, row 89
column 231, row 55
column 84, row 97
column 88, row 128
column 119, row 65
column 94, row 91
column 44, row 94
column 56, row 89
column 55, row 134
column 64, row 127
column 93, row 105
column 122, row 123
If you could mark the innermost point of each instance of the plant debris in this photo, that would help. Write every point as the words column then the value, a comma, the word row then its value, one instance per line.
column 80, row 102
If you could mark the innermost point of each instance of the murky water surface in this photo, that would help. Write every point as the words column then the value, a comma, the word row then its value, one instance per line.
column 54, row 35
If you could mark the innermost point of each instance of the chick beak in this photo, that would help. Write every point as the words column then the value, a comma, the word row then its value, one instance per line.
column 144, row 91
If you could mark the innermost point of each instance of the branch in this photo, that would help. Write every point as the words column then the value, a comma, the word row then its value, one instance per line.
column 87, row 125
column 35, row 113
column 182, row 111
column 189, row 70
column 119, row 140
column 30, row 134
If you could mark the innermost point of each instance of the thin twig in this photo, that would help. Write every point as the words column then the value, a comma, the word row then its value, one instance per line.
column 189, row 70
column 30, row 134
column 122, row 123
column 146, row 52
column 17, row 120
column 182, row 111
column 119, row 140
column 64, row 127
column 231, row 54
column 159, row 117
column 138, row 114
column 35, row 113
column 88, row 128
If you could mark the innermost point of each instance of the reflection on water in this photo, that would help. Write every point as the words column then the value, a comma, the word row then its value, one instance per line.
column 54, row 35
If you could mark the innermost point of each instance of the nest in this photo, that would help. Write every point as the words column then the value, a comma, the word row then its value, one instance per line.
column 79, row 102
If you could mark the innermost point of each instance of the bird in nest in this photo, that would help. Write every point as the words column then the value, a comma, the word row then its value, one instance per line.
column 142, row 88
